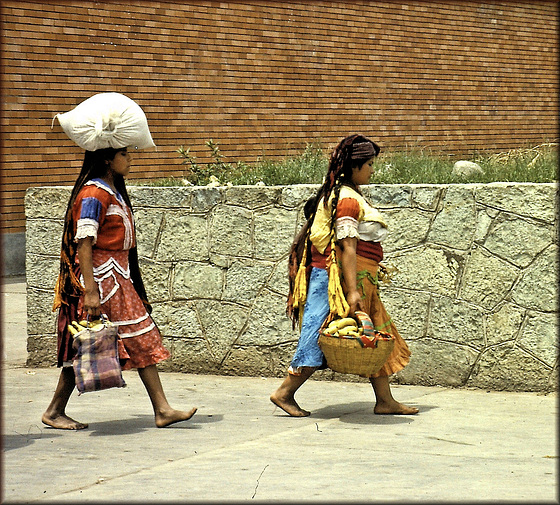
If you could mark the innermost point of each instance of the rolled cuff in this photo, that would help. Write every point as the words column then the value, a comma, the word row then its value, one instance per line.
column 346, row 227
column 86, row 228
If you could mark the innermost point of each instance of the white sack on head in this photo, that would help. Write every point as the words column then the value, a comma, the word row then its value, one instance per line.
column 107, row 120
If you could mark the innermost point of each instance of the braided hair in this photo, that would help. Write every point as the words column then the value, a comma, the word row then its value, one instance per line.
column 68, row 284
column 344, row 158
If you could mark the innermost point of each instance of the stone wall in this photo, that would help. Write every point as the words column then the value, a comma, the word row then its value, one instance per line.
column 475, row 296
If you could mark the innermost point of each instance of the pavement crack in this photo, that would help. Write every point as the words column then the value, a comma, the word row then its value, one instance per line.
column 450, row 441
column 258, row 482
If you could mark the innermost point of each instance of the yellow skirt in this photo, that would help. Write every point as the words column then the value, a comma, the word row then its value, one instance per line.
column 367, row 283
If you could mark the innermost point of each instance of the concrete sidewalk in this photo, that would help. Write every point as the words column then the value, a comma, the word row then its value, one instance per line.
column 464, row 446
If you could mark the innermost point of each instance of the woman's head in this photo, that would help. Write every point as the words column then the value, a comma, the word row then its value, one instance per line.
column 97, row 163
column 351, row 152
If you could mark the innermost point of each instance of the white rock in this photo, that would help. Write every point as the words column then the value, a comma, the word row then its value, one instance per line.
column 214, row 182
column 465, row 168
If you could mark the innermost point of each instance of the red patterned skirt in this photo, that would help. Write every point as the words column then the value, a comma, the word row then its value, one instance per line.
column 140, row 344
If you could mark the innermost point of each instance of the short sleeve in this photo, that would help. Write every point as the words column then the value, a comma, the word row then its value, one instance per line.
column 89, row 210
column 347, row 215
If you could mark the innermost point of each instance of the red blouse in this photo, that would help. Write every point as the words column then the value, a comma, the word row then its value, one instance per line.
column 101, row 213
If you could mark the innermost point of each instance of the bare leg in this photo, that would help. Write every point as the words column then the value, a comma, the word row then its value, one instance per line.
column 164, row 413
column 283, row 397
column 55, row 415
column 385, row 403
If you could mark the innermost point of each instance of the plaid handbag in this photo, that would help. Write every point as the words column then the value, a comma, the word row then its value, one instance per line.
column 96, row 363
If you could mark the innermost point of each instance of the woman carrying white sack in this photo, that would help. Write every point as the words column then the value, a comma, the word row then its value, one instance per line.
column 99, row 272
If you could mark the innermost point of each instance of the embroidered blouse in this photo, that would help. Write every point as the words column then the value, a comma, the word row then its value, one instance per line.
column 102, row 214
column 355, row 218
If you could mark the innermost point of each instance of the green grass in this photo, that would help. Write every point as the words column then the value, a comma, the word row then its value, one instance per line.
column 309, row 167
column 418, row 166
column 408, row 166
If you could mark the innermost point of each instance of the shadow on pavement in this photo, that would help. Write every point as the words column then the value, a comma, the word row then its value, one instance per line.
column 19, row 440
column 140, row 423
column 362, row 413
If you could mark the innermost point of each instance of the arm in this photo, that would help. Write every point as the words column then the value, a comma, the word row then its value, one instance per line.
column 349, row 272
column 92, row 303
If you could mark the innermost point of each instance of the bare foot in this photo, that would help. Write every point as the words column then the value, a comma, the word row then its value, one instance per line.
column 394, row 408
column 62, row 422
column 289, row 406
column 173, row 416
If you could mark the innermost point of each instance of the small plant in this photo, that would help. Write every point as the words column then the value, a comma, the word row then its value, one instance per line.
column 217, row 155
column 194, row 170
column 202, row 174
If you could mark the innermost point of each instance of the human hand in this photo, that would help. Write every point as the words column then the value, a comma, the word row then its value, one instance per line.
column 354, row 300
column 92, row 303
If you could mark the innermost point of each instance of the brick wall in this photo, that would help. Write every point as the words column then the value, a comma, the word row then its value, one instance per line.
column 264, row 77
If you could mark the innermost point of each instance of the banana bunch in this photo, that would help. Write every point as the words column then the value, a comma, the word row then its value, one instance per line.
column 76, row 327
column 344, row 327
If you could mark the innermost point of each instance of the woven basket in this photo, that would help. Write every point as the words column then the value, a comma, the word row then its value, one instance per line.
column 350, row 355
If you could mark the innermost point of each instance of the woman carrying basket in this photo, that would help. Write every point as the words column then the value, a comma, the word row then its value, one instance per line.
column 339, row 208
